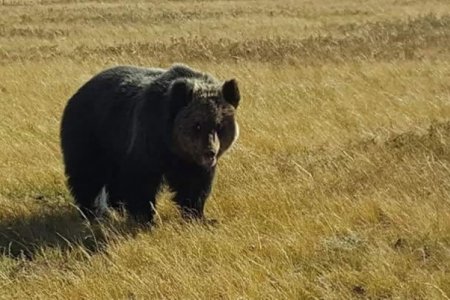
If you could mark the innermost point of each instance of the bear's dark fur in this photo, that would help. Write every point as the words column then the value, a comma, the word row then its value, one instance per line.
column 128, row 128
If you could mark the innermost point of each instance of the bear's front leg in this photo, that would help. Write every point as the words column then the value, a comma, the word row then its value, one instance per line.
column 191, row 205
column 139, row 194
column 192, row 188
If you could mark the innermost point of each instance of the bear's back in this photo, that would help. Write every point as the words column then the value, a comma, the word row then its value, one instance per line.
column 127, row 80
column 162, row 81
column 132, row 80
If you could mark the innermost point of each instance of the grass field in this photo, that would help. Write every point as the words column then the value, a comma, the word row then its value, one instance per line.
column 338, row 188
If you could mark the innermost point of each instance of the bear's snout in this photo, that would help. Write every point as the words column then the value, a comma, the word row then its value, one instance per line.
column 210, row 154
column 209, row 158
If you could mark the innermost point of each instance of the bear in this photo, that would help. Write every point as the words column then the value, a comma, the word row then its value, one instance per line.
column 129, row 130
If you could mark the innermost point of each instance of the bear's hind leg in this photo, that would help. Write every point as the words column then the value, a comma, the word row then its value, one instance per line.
column 113, row 186
column 87, row 183
column 89, row 195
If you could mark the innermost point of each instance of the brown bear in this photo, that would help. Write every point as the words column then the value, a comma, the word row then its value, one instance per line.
column 129, row 129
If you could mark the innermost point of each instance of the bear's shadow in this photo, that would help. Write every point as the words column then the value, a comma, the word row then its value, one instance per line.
column 26, row 236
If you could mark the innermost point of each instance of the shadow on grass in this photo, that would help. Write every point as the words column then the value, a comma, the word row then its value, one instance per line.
column 57, row 227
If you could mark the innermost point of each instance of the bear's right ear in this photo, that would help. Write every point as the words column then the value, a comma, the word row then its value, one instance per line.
column 181, row 92
column 230, row 91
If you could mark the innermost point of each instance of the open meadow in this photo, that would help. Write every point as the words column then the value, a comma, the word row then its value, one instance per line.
column 338, row 188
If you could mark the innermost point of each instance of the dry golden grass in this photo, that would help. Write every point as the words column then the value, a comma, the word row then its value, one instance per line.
column 338, row 188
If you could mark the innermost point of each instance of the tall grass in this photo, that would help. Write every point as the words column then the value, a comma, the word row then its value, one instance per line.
column 338, row 187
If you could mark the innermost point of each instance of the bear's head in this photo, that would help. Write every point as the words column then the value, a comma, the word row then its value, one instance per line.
column 203, row 115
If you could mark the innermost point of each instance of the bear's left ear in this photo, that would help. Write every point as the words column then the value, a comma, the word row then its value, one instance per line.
column 181, row 93
column 230, row 92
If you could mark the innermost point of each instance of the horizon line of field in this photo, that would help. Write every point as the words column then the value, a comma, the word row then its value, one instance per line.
column 427, row 36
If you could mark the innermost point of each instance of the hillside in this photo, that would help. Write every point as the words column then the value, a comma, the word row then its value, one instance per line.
column 338, row 188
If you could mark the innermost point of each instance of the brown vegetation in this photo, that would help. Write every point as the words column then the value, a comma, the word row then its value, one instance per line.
column 338, row 187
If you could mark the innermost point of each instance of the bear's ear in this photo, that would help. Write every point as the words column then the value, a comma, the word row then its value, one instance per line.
column 181, row 92
column 230, row 92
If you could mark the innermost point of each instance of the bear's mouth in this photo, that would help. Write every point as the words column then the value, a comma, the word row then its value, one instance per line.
column 208, row 162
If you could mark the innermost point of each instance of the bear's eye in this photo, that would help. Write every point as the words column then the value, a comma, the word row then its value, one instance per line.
column 197, row 127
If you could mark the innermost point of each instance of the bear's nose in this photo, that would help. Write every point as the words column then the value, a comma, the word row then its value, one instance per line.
column 210, row 154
